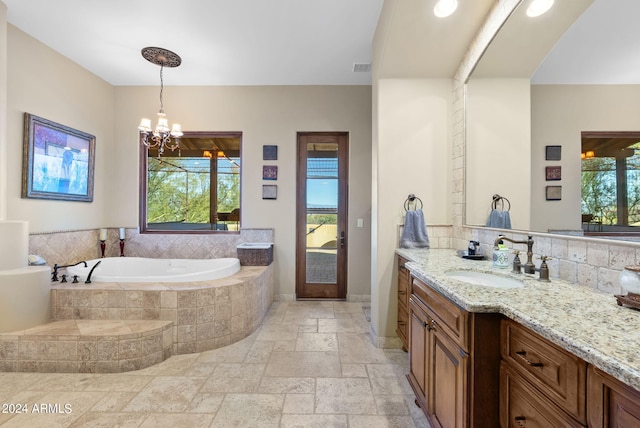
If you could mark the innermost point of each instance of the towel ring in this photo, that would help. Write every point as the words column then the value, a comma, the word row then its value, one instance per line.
column 412, row 198
column 497, row 198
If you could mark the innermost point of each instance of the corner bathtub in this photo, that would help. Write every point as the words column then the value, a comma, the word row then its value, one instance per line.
column 139, row 269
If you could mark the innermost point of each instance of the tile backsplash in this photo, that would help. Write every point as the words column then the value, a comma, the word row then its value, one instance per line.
column 70, row 247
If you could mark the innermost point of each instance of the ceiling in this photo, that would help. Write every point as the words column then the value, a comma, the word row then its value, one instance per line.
column 312, row 42
column 221, row 42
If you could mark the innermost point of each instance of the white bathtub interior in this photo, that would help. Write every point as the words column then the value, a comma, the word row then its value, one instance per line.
column 141, row 269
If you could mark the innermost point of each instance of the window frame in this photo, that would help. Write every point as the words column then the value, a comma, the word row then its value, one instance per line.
column 143, row 177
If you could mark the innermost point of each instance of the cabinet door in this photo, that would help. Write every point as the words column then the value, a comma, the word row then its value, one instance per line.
column 611, row 403
column 418, row 351
column 448, row 371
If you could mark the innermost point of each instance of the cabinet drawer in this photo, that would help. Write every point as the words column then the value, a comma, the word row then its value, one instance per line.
column 453, row 320
column 559, row 374
column 523, row 406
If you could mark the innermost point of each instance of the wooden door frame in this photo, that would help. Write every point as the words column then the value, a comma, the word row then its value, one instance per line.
column 301, row 208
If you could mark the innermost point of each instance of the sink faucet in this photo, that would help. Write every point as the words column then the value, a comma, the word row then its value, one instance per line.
column 529, row 267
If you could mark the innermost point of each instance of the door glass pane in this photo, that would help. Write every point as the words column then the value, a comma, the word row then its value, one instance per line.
column 322, row 213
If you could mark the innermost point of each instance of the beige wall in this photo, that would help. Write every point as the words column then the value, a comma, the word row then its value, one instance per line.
column 498, row 144
column 3, row 110
column 264, row 115
column 559, row 114
column 413, row 126
column 44, row 83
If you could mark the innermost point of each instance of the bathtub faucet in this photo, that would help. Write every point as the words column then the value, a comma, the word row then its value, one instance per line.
column 54, row 275
column 88, row 281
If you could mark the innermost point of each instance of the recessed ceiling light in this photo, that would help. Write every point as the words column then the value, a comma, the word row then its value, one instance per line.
column 539, row 7
column 445, row 8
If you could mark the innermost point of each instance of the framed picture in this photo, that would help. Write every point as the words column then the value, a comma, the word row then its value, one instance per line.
column 554, row 193
column 553, row 153
column 269, row 191
column 553, row 173
column 269, row 152
column 57, row 161
column 269, row 172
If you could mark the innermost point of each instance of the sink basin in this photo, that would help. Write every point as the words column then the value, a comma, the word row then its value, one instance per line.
column 484, row 279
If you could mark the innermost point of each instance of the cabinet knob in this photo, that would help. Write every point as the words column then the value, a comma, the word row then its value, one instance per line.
column 523, row 355
column 433, row 324
column 521, row 420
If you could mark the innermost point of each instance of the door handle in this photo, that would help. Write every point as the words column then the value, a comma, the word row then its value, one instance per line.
column 342, row 239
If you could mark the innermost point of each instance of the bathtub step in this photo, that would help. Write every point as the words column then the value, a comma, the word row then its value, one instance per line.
column 87, row 346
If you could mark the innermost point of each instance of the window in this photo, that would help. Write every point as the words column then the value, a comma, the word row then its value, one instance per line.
column 194, row 189
column 611, row 179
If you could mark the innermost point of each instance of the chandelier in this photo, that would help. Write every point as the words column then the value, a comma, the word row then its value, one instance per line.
column 162, row 136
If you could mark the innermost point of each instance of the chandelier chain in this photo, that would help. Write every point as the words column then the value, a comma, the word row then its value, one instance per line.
column 161, row 88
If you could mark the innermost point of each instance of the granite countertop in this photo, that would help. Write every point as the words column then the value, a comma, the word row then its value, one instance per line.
column 585, row 322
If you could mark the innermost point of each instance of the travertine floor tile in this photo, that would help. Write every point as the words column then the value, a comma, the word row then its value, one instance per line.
column 344, row 395
column 310, row 364
column 249, row 410
column 166, row 394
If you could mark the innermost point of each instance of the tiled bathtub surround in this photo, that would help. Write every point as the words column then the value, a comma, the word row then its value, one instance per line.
column 78, row 346
column 206, row 315
column 69, row 247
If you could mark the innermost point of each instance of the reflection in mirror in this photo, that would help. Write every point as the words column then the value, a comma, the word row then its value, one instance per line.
column 514, row 110
column 610, row 183
column 194, row 189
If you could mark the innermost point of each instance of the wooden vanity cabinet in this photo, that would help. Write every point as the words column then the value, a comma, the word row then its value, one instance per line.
column 454, row 360
column 611, row 402
column 402, row 329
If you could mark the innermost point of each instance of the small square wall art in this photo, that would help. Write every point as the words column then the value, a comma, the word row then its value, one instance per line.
column 269, row 152
column 554, row 193
column 269, row 172
column 269, row 191
column 553, row 173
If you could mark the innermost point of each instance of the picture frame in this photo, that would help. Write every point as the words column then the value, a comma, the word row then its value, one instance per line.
column 553, row 173
column 269, row 172
column 269, row 191
column 553, row 153
column 57, row 161
column 554, row 193
column 269, row 152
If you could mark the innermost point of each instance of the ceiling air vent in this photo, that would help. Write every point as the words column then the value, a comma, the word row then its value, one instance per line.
column 362, row 68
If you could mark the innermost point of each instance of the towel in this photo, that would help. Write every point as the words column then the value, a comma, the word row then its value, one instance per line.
column 414, row 232
column 499, row 219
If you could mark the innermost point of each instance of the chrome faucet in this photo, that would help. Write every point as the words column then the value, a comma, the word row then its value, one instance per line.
column 529, row 267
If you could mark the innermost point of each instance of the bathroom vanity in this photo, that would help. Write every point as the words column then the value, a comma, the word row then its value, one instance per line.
column 541, row 355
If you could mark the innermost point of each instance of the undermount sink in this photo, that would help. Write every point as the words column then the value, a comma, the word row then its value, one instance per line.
column 484, row 279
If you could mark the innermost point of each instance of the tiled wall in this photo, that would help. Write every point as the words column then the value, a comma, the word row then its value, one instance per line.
column 70, row 247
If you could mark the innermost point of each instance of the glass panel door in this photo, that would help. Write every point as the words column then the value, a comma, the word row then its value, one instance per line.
column 322, row 213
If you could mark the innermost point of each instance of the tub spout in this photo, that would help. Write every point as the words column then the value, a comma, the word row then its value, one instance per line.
column 88, row 281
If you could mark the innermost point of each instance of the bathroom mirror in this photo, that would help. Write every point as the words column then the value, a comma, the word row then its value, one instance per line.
column 194, row 189
column 520, row 101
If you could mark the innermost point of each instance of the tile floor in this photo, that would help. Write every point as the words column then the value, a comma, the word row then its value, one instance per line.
column 311, row 364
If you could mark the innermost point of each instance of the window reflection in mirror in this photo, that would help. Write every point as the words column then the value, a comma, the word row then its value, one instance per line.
column 194, row 189
column 611, row 182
